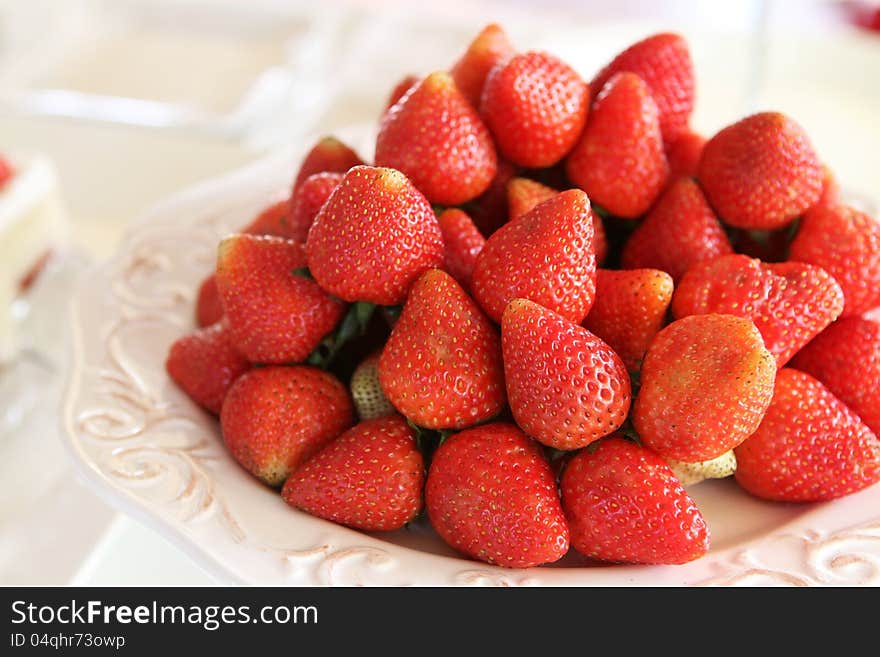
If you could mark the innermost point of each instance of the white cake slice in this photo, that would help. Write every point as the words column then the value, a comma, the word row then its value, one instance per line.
column 32, row 222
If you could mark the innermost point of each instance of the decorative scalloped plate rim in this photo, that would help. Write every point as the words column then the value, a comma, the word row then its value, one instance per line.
column 148, row 451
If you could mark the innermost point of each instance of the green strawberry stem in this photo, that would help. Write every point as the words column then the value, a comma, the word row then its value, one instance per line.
column 353, row 325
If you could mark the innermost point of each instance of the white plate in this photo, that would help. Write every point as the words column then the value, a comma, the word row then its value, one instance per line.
column 153, row 454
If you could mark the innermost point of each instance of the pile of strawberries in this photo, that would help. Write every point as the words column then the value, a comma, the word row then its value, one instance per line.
column 554, row 306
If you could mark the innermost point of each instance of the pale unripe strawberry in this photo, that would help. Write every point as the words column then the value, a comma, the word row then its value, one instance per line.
column 693, row 473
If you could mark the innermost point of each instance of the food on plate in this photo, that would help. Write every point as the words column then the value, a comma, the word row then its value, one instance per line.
column 426, row 338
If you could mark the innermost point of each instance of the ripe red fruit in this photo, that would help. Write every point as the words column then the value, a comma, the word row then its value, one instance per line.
column 370, row 478
column 400, row 90
column 809, row 447
column 619, row 160
column 566, row 387
column 463, row 244
column 789, row 302
column 536, row 107
column 374, row 236
column 492, row 495
column 6, row 172
column 442, row 367
column 274, row 418
column 204, row 364
column 846, row 244
column 830, row 188
column 435, row 137
column 663, row 61
column 329, row 154
column 706, row 382
column 761, row 172
column 306, row 202
column 488, row 48
column 679, row 231
column 684, row 154
column 209, row 309
column 271, row 221
column 547, row 256
column 624, row 504
column 846, row 358
column 523, row 194
column 629, row 310
column 275, row 315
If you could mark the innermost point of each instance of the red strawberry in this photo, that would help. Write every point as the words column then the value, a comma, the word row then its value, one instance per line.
column 442, row 367
column 492, row 495
column 830, row 188
column 624, row 504
column 706, row 382
column 489, row 211
column 546, row 256
column 489, row 47
column 435, row 137
column 619, row 160
column 306, row 202
column 846, row 244
column 6, row 172
column 204, row 364
column 369, row 400
column 789, row 302
column 463, row 244
column 846, row 358
column 684, row 154
column 275, row 315
column 374, row 236
column 810, row 447
column 370, row 478
column 536, row 107
column 663, row 61
column 761, row 172
column 271, row 220
column 679, row 231
column 566, row 387
column 400, row 90
column 275, row 418
column 209, row 308
column 329, row 154
column 629, row 310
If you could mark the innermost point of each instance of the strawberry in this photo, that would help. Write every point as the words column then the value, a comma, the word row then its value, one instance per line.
column 663, row 61
column 489, row 47
column 546, row 256
column 536, row 107
column 523, row 194
column 629, row 310
column 624, row 504
column 435, row 137
column 306, row 202
column 809, row 447
column 7, row 172
column 204, row 364
column 374, row 236
column 789, row 302
column 329, row 154
column 679, row 231
column 489, row 211
column 463, row 244
column 275, row 315
column 441, row 367
column 706, row 382
column 400, row 90
column 846, row 244
column 846, row 358
column 369, row 400
column 209, row 308
column 761, row 172
column 619, row 160
column 271, row 220
column 830, row 188
column 274, row 418
column 684, row 154
column 693, row 473
column 492, row 495
column 370, row 478
column 567, row 388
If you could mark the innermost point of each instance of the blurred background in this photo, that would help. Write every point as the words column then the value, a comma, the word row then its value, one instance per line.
column 108, row 106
